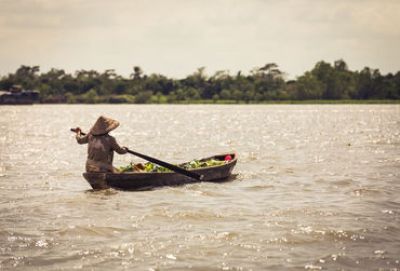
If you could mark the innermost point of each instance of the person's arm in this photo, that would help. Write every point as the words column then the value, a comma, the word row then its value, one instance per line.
column 80, row 138
column 116, row 147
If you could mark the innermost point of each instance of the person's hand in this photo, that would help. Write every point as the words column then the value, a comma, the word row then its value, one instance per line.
column 78, row 130
column 125, row 148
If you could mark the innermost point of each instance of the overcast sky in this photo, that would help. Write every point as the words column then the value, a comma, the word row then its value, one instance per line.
column 175, row 37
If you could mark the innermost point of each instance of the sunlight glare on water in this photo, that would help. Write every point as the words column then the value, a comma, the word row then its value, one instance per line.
column 316, row 188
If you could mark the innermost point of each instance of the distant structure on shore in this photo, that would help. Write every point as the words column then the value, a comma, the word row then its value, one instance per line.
column 16, row 95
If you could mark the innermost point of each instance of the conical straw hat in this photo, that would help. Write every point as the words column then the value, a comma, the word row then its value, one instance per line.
column 103, row 126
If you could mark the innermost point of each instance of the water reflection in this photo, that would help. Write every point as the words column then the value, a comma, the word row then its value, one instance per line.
column 316, row 187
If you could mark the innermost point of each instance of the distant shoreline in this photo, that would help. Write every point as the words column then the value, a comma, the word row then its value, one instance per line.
column 326, row 83
column 229, row 102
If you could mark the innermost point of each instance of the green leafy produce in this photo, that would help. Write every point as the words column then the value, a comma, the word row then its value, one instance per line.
column 199, row 164
column 150, row 167
column 126, row 168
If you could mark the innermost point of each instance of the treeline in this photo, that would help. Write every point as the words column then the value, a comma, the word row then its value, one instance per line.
column 324, row 82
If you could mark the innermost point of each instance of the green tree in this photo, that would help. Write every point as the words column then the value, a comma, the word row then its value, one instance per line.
column 87, row 80
column 27, row 76
column 226, row 94
column 90, row 96
column 338, row 81
column 137, row 73
column 54, row 80
column 265, row 79
column 198, row 80
column 143, row 97
column 308, row 87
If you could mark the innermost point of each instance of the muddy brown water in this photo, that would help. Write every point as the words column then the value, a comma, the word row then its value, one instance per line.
column 317, row 188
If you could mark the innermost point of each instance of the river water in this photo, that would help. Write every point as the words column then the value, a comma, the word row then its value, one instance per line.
column 316, row 188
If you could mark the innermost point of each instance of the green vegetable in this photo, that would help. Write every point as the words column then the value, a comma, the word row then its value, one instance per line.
column 125, row 168
column 194, row 164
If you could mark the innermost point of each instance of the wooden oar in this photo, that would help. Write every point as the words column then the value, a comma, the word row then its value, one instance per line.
column 172, row 167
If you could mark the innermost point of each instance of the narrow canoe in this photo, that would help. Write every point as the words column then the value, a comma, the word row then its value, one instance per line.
column 143, row 181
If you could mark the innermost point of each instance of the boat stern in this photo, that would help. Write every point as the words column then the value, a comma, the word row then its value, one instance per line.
column 96, row 180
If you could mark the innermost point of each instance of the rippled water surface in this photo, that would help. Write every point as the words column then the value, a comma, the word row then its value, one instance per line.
column 317, row 188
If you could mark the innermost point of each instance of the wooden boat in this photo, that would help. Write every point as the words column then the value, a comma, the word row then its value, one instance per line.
column 144, row 181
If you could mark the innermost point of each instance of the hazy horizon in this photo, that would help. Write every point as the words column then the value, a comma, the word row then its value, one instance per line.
column 176, row 37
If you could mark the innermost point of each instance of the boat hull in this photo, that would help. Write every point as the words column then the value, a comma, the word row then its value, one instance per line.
column 143, row 181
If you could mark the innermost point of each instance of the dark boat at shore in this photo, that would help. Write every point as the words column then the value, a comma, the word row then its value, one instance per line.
column 144, row 181
column 17, row 95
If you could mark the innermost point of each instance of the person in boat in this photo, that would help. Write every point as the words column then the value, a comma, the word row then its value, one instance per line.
column 101, row 145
